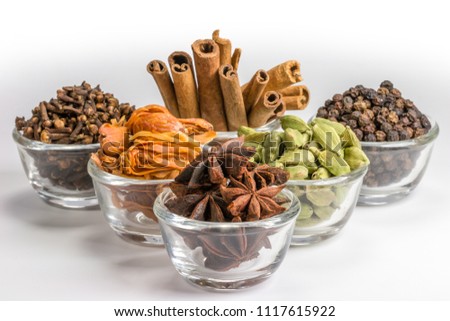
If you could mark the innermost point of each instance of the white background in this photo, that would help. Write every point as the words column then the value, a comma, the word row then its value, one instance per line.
column 395, row 252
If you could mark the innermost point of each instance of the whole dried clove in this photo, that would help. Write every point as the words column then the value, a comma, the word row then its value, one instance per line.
column 73, row 101
column 70, row 118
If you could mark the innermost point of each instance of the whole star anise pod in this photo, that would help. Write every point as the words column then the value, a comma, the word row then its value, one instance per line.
column 247, row 202
column 208, row 206
column 224, row 253
column 266, row 175
column 212, row 167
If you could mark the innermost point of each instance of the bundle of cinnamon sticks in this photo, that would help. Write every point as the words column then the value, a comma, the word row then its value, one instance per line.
column 208, row 86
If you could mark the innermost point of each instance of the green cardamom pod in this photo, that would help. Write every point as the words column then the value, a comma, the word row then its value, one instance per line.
column 294, row 122
column 355, row 157
column 341, row 194
column 244, row 130
column 294, row 139
column 256, row 137
column 251, row 144
column 298, row 191
column 334, row 163
column 321, row 173
column 327, row 137
column 349, row 138
column 313, row 220
column 306, row 212
column 297, row 157
column 271, row 146
column 297, row 172
column 320, row 196
column 324, row 212
column 314, row 150
column 338, row 127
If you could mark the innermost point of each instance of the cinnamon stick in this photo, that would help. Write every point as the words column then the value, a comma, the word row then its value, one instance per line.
column 295, row 97
column 207, row 62
column 265, row 109
column 235, row 58
column 232, row 96
column 224, row 47
column 160, row 73
column 299, row 90
column 284, row 75
column 254, row 89
column 180, row 63
column 278, row 112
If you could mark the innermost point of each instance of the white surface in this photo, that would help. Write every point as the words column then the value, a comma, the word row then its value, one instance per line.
column 392, row 252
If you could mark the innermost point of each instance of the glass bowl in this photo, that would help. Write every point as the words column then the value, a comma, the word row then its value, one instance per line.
column 326, row 205
column 127, row 205
column 58, row 172
column 226, row 256
column 396, row 168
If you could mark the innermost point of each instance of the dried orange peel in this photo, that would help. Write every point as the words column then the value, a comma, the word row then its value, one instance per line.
column 152, row 144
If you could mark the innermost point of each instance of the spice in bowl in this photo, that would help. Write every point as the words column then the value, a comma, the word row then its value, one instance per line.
column 136, row 160
column 227, row 222
column 326, row 165
column 56, row 142
column 396, row 136
column 209, row 85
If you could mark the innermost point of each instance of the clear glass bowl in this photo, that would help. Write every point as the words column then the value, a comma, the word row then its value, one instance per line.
column 58, row 172
column 226, row 256
column 127, row 205
column 326, row 205
column 396, row 168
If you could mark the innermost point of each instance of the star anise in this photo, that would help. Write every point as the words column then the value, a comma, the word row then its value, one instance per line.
column 222, row 186
column 266, row 175
column 208, row 206
column 224, row 252
column 247, row 202
column 212, row 167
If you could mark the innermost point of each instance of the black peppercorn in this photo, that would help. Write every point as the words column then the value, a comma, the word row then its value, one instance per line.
column 359, row 133
column 370, row 137
column 364, row 120
column 348, row 101
column 378, row 116
column 393, row 136
column 425, row 122
column 337, row 97
column 403, row 134
column 386, row 127
column 322, row 112
column 387, row 84
column 380, row 135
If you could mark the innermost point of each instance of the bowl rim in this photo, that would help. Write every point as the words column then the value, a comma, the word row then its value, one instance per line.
column 38, row 145
column 100, row 175
column 164, row 215
column 347, row 178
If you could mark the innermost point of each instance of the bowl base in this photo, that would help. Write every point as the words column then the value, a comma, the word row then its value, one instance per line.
column 372, row 199
column 224, row 285
column 75, row 203
column 150, row 240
